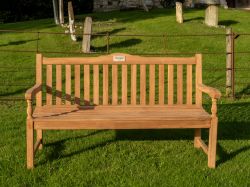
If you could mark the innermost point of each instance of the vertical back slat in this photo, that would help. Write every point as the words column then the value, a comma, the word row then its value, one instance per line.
column 152, row 84
column 86, row 85
column 77, row 84
column 96, row 84
column 133, row 83
column 179, row 84
column 105, row 84
column 39, row 68
column 49, row 85
column 58, row 84
column 114, row 85
column 124, row 84
column 161, row 84
column 170, row 84
column 68, row 84
column 142, row 84
column 189, row 84
column 198, row 79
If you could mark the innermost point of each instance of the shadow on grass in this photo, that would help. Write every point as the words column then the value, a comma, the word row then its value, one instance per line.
column 59, row 146
column 20, row 42
column 228, row 22
column 122, row 44
column 225, row 156
column 132, row 16
column 19, row 91
column 233, row 125
column 244, row 92
column 194, row 19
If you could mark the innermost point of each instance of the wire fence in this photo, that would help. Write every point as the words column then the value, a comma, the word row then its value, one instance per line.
column 240, row 59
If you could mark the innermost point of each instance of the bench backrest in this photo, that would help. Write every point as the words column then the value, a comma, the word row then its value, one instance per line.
column 119, row 79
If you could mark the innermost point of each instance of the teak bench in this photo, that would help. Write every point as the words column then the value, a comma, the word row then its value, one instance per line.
column 120, row 91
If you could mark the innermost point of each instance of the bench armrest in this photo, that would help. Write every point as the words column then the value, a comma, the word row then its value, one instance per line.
column 212, row 92
column 30, row 93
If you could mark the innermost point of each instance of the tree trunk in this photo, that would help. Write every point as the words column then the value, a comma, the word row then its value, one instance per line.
column 179, row 14
column 87, row 35
column 61, row 12
column 55, row 10
column 71, row 21
column 211, row 15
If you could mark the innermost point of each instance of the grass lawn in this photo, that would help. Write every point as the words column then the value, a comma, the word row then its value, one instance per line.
column 127, row 158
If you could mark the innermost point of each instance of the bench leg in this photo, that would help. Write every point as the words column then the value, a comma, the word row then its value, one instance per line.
column 30, row 144
column 197, row 137
column 212, row 143
column 39, row 137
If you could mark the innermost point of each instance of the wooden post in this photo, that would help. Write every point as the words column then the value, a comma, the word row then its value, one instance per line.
column 61, row 12
column 211, row 15
column 71, row 21
column 87, row 35
column 229, row 61
column 179, row 14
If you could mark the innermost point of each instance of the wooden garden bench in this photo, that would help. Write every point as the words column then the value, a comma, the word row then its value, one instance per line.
column 120, row 91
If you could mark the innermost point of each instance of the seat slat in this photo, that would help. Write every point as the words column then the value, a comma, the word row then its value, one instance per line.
column 179, row 84
column 161, row 84
column 151, row 84
column 107, row 124
column 68, row 84
column 189, row 84
column 77, row 84
column 49, row 85
column 105, row 84
column 96, row 84
column 142, row 84
column 86, row 85
column 170, row 84
column 58, row 84
column 135, row 115
column 124, row 85
column 133, row 83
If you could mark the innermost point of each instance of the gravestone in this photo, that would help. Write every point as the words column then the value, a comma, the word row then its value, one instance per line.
column 212, row 13
column 87, row 35
column 179, row 13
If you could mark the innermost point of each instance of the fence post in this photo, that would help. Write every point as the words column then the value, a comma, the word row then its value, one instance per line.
column 229, row 62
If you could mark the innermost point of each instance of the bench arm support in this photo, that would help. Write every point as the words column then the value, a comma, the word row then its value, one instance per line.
column 30, row 93
column 212, row 92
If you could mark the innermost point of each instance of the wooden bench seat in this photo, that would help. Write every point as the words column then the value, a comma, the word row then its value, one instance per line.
column 120, row 91
column 120, row 117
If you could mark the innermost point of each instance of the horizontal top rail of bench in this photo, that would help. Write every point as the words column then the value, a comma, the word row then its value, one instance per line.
column 124, row 59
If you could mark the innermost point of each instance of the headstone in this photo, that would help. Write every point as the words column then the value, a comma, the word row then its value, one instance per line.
column 212, row 13
column 179, row 13
column 87, row 35
column 71, row 21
